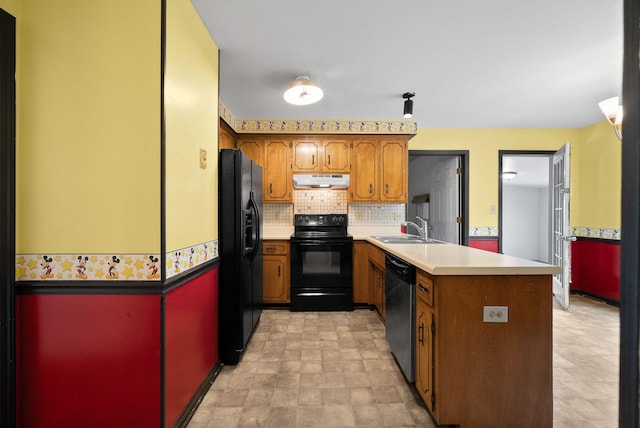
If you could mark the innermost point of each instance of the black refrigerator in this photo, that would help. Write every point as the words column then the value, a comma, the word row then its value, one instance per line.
column 240, row 248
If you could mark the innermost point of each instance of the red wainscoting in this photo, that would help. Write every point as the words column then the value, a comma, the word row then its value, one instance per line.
column 191, row 346
column 88, row 360
column 595, row 268
column 484, row 244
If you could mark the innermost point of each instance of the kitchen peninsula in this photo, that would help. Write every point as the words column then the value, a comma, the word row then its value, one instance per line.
column 483, row 335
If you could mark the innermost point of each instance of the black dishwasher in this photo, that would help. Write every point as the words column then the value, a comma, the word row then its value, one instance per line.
column 400, row 313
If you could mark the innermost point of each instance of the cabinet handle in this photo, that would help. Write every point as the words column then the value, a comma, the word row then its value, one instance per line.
column 421, row 333
column 278, row 271
column 313, row 159
column 329, row 159
column 270, row 188
column 271, row 249
column 386, row 188
column 370, row 189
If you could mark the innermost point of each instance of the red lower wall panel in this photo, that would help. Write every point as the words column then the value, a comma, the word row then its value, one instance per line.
column 191, row 346
column 595, row 268
column 88, row 361
column 484, row 244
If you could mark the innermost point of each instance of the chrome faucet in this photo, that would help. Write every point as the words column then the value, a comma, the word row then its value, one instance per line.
column 422, row 230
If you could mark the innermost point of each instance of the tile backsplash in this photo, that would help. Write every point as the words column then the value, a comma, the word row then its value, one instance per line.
column 312, row 201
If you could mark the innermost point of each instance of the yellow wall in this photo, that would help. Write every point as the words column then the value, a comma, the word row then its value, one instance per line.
column 599, row 178
column 10, row 6
column 88, row 152
column 483, row 146
column 191, row 106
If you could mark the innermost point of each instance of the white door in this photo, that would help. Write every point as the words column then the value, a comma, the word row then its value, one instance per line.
column 561, row 235
column 445, row 201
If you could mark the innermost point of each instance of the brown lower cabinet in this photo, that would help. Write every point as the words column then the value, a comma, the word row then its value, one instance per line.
column 275, row 278
column 377, row 272
column 480, row 374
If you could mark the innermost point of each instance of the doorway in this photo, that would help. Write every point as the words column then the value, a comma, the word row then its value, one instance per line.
column 438, row 192
column 533, row 218
column 525, row 191
column 7, row 216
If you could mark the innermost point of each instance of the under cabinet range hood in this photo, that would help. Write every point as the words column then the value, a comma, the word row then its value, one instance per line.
column 320, row 181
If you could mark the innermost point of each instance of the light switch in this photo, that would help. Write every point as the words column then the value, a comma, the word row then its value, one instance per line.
column 495, row 314
column 203, row 159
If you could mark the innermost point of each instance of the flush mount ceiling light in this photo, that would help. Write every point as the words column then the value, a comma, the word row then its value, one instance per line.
column 509, row 175
column 408, row 104
column 612, row 110
column 302, row 92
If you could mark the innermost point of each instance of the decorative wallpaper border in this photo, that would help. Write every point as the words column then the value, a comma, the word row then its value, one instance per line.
column 83, row 267
column 317, row 126
column 581, row 232
column 183, row 259
column 596, row 232
column 483, row 231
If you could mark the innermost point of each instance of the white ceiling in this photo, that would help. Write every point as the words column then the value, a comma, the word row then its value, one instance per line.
column 471, row 63
column 532, row 170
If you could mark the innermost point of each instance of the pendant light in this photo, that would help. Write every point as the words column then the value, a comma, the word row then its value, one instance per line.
column 302, row 92
column 408, row 104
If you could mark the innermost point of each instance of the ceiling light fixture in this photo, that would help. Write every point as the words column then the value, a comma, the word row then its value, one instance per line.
column 612, row 110
column 509, row 175
column 302, row 92
column 408, row 104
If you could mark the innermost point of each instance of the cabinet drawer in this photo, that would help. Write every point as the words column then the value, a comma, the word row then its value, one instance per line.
column 279, row 247
column 424, row 286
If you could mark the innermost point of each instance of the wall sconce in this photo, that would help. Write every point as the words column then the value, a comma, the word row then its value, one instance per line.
column 612, row 110
column 509, row 175
column 302, row 92
column 408, row 104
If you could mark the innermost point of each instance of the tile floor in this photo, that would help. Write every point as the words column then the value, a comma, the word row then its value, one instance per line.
column 334, row 369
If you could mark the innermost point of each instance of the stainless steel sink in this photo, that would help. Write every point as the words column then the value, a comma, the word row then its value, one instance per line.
column 406, row 239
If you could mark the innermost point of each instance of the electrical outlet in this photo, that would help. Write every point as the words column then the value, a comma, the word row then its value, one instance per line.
column 492, row 209
column 495, row 314
column 203, row 159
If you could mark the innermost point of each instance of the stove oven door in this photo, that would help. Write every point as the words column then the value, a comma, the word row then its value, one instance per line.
column 321, row 274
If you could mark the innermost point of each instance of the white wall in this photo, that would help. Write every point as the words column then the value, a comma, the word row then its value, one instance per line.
column 525, row 222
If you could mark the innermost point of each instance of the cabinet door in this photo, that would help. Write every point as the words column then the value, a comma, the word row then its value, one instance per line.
column 393, row 160
column 276, row 172
column 226, row 136
column 306, row 156
column 253, row 148
column 360, row 272
column 274, row 286
column 364, row 176
column 424, row 349
column 336, row 157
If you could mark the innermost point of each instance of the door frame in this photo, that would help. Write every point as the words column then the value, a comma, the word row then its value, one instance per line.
column 464, row 185
column 630, row 212
column 501, row 155
column 7, row 217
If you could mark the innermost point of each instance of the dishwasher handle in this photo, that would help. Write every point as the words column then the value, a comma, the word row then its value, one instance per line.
column 400, row 268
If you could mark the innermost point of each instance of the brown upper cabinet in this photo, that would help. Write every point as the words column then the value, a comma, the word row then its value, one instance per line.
column 252, row 147
column 276, row 171
column 226, row 136
column 379, row 169
column 320, row 155
column 273, row 155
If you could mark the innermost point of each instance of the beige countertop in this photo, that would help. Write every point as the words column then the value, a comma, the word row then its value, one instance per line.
column 451, row 259
column 277, row 232
column 437, row 259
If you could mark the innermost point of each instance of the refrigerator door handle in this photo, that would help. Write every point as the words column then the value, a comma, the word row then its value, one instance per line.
column 255, row 227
